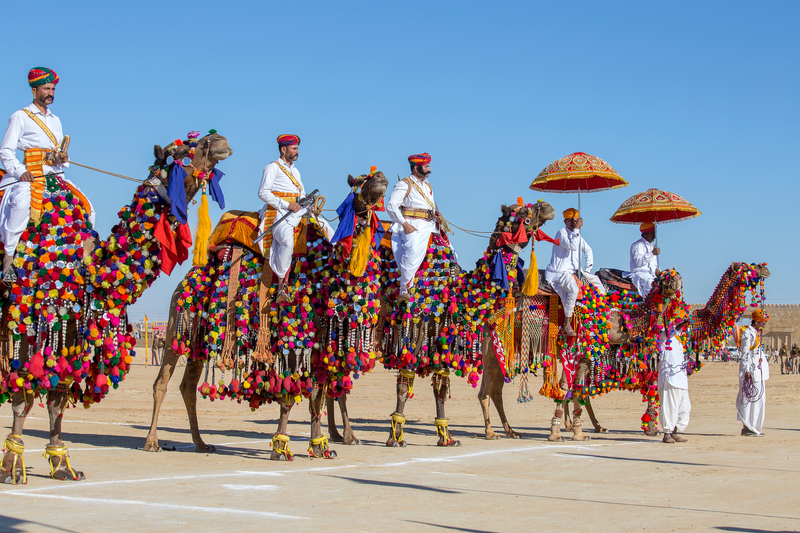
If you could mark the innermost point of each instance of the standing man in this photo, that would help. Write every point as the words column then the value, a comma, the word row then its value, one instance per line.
column 673, row 387
column 753, row 373
column 280, row 189
column 564, row 265
column 644, row 265
column 784, row 360
column 36, row 131
column 795, row 353
column 414, row 215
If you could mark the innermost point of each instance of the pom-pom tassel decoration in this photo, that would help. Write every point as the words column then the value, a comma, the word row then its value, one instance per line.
column 203, row 233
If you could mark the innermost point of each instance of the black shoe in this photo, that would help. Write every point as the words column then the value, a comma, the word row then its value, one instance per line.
column 9, row 277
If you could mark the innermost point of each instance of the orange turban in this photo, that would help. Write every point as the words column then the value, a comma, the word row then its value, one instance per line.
column 571, row 213
column 646, row 226
column 420, row 159
column 288, row 140
column 760, row 316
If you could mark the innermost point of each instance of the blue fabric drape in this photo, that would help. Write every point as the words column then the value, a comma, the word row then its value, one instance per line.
column 215, row 189
column 177, row 193
column 499, row 273
column 347, row 219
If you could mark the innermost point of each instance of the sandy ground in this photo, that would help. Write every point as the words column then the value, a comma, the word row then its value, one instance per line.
column 618, row 481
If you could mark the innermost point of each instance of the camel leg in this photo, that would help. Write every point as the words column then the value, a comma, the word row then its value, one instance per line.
column 497, row 398
column 56, row 452
column 332, row 430
column 650, row 427
column 13, row 470
column 555, row 424
column 492, row 388
column 577, row 425
column 441, row 386
column 597, row 427
column 349, row 436
column 318, row 443
column 405, row 387
column 168, row 364
column 191, row 377
column 280, row 440
column 483, row 397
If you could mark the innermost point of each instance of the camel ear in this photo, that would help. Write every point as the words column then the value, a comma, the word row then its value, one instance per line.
column 506, row 210
column 158, row 152
column 351, row 180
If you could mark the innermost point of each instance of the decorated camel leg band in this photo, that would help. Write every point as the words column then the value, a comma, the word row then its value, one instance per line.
column 441, row 422
column 63, row 457
column 398, row 418
column 444, row 372
column 397, row 426
column 408, row 374
column 16, row 449
column 322, row 442
column 281, row 437
column 282, row 450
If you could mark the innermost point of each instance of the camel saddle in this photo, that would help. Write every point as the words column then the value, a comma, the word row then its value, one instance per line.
column 614, row 281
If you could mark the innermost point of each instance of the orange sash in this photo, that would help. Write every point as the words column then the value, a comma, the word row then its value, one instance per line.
column 34, row 160
column 269, row 216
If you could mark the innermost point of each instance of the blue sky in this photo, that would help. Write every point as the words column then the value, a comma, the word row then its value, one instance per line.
column 698, row 98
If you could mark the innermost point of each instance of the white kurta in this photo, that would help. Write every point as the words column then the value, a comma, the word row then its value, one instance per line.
column 23, row 133
column 673, row 386
column 643, row 266
column 410, row 248
column 564, row 262
column 751, row 410
column 273, row 179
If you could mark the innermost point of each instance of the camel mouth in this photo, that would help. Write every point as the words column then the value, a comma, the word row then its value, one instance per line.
column 221, row 154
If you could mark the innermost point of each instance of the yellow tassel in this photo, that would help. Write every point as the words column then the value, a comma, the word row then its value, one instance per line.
column 360, row 254
column 531, row 286
column 203, row 233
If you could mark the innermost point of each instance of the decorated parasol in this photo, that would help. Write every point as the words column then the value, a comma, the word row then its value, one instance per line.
column 578, row 172
column 656, row 206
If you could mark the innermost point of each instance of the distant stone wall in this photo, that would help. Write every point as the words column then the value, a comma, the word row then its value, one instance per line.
column 783, row 328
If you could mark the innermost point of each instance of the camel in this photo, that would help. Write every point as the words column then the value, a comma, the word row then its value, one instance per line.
column 710, row 325
column 329, row 289
column 440, row 329
column 66, row 324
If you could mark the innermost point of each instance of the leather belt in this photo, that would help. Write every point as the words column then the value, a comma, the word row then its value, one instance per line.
column 426, row 214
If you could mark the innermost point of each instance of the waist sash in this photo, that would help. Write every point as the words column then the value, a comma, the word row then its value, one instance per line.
column 426, row 214
column 269, row 217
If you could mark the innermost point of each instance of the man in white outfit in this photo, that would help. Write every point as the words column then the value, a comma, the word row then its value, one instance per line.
column 753, row 373
column 37, row 132
column 673, row 387
column 565, row 265
column 413, row 212
column 280, row 189
column 643, row 264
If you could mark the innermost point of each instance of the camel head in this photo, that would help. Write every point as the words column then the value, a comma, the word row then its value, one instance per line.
column 209, row 151
column 760, row 270
column 669, row 284
column 371, row 188
column 530, row 216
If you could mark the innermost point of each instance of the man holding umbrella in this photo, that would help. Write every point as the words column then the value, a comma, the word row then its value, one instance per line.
column 644, row 265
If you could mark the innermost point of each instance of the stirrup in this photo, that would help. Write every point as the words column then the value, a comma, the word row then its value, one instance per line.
column 63, row 457
column 322, row 442
column 281, row 437
column 10, row 276
column 398, row 420
column 443, row 432
column 16, row 448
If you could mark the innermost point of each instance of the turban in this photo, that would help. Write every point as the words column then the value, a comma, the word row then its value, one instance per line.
column 420, row 159
column 41, row 76
column 646, row 227
column 288, row 140
column 760, row 316
column 571, row 213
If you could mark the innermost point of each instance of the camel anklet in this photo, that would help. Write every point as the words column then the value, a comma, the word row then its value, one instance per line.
column 63, row 457
column 282, row 437
column 16, row 449
column 322, row 442
column 397, row 420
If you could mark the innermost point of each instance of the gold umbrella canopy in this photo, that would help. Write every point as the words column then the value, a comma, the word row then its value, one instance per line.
column 654, row 205
column 578, row 172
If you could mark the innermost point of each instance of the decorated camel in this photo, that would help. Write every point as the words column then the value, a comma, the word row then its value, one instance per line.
column 440, row 329
column 223, row 317
column 629, row 365
column 65, row 334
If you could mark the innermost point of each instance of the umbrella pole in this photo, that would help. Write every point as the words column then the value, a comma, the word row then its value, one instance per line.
column 655, row 245
column 580, row 240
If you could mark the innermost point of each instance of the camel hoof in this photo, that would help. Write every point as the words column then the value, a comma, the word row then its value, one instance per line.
column 337, row 438
column 512, row 434
column 452, row 443
column 205, row 448
column 492, row 436
column 150, row 447
column 62, row 474
column 581, row 437
column 555, row 438
column 396, row 444
column 351, row 441
column 600, row 430
column 8, row 479
column 653, row 433
column 275, row 456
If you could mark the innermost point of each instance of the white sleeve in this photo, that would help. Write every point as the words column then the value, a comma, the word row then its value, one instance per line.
column 8, row 147
column 640, row 255
column 265, row 189
column 395, row 201
column 587, row 251
column 745, row 353
column 571, row 240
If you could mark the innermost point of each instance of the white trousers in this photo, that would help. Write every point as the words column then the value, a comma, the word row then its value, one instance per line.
column 675, row 408
column 643, row 282
column 15, row 212
column 410, row 248
column 567, row 288
column 280, row 255
column 751, row 413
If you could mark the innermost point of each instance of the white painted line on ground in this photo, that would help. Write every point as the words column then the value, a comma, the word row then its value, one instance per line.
column 453, row 474
column 251, row 487
column 171, row 507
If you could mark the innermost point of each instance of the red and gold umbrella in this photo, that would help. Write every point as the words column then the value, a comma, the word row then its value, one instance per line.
column 578, row 172
column 654, row 205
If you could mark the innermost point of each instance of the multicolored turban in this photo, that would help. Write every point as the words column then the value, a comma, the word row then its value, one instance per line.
column 760, row 316
column 646, row 227
column 41, row 76
column 420, row 159
column 288, row 140
column 571, row 213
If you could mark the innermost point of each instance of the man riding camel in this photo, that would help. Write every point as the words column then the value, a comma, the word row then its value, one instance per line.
column 644, row 265
column 281, row 188
column 565, row 265
column 415, row 215
column 36, row 131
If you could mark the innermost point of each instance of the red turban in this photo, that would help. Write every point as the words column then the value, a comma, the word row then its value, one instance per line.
column 41, row 76
column 420, row 159
column 288, row 140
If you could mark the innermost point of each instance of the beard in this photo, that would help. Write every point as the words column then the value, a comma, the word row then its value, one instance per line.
column 423, row 174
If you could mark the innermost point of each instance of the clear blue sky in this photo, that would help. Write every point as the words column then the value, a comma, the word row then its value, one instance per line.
column 698, row 98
